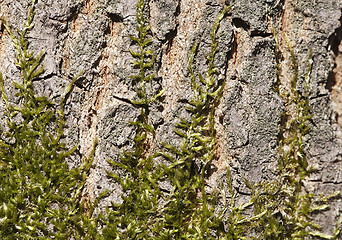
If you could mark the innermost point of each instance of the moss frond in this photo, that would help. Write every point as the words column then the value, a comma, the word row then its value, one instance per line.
column 40, row 196
column 196, row 219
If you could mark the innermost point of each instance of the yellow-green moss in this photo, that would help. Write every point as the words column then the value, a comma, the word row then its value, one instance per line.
column 289, row 206
column 138, row 216
column 40, row 196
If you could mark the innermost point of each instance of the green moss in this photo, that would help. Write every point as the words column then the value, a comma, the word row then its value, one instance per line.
column 137, row 217
column 191, row 208
column 40, row 196
column 188, row 211
column 289, row 206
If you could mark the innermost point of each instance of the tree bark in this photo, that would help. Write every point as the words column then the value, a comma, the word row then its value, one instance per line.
column 94, row 36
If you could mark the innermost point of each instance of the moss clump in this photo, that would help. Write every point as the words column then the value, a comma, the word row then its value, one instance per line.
column 40, row 197
column 188, row 211
column 288, row 204
column 190, row 208
column 137, row 217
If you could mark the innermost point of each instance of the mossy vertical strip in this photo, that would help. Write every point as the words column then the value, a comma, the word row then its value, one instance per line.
column 288, row 204
column 137, row 217
column 191, row 209
column 40, row 196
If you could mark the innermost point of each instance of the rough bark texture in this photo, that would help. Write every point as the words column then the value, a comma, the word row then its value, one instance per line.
column 93, row 35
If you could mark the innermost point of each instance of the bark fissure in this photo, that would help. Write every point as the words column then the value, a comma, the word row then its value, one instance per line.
column 334, row 81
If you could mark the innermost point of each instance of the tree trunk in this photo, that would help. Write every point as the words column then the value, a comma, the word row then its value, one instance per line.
column 94, row 36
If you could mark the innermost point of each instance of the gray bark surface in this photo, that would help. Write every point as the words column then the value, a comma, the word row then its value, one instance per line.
column 93, row 36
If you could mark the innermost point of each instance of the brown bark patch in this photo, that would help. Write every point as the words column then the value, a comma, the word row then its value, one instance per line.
column 98, row 99
column 336, row 88
column 175, row 60
column 89, row 7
